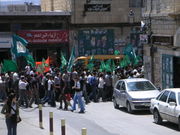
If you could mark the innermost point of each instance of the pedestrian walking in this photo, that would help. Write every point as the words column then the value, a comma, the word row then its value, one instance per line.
column 11, row 112
column 101, row 87
column 78, row 96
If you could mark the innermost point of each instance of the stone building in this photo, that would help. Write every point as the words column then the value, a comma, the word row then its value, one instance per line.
column 55, row 5
column 162, row 54
column 100, row 26
column 47, row 33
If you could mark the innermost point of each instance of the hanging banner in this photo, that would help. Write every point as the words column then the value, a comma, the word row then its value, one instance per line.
column 95, row 41
column 97, row 7
column 45, row 37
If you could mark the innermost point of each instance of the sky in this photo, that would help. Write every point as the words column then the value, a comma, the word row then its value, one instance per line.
column 36, row 2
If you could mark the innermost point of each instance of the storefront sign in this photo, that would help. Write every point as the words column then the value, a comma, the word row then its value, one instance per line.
column 97, row 7
column 44, row 37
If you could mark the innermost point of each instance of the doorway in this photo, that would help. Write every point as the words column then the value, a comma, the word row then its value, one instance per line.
column 176, row 72
column 4, row 54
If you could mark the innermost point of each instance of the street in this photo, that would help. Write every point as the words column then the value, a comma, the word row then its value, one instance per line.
column 99, row 119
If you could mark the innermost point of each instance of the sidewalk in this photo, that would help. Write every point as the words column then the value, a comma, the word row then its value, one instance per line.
column 28, row 126
column 30, row 121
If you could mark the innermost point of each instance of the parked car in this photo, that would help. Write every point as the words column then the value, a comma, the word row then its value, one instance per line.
column 167, row 106
column 134, row 94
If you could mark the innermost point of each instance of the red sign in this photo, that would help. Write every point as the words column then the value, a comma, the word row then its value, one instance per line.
column 43, row 36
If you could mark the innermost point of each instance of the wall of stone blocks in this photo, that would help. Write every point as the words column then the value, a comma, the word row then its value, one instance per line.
column 55, row 5
column 118, row 14
column 164, row 26
column 161, row 7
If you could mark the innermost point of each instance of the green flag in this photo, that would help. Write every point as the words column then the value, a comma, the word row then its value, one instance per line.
column 102, row 66
column 71, row 60
column 19, row 46
column 40, row 69
column 116, row 52
column 125, row 62
column 44, row 64
column 63, row 61
column 136, row 61
column 90, row 66
column 1, row 68
column 113, row 66
column 30, row 60
column 108, row 66
column 9, row 66
column 129, row 51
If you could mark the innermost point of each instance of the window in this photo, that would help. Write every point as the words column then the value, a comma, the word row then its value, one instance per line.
column 123, row 86
column 172, row 97
column 159, row 95
column 136, row 3
column 118, row 85
column 164, row 96
column 140, row 86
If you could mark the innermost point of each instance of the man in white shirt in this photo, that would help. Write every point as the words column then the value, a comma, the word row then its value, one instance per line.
column 50, row 95
column 23, row 91
column 28, row 69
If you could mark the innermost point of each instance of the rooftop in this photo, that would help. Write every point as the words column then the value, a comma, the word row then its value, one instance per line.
column 35, row 13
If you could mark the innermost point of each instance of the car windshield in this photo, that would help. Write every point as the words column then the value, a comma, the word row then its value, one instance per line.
column 140, row 86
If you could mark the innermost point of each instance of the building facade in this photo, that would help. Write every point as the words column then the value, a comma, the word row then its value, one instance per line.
column 100, row 26
column 56, row 5
column 47, row 33
column 161, row 55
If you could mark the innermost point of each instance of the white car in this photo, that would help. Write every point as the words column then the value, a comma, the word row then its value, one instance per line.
column 134, row 94
column 167, row 106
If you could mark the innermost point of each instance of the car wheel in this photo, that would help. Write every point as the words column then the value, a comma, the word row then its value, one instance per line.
column 128, row 106
column 157, row 117
column 116, row 106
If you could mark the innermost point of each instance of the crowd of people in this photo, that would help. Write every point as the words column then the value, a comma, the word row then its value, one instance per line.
column 80, row 86
column 70, row 89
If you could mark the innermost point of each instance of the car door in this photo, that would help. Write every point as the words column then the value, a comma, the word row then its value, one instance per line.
column 162, row 104
column 123, row 94
column 117, row 92
column 171, row 110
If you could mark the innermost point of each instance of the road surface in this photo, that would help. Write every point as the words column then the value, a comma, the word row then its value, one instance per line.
column 99, row 119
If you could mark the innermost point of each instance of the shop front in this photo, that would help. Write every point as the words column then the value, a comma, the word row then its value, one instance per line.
column 47, row 43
